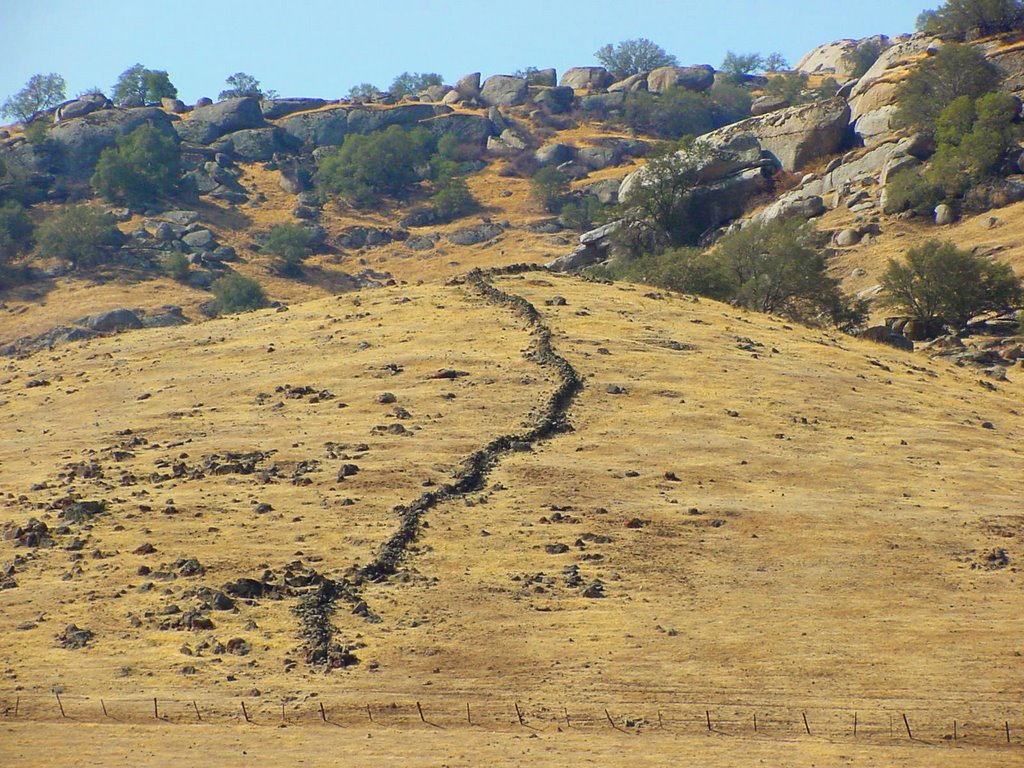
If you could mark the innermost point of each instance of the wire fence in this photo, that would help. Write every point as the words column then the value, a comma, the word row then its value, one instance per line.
column 988, row 725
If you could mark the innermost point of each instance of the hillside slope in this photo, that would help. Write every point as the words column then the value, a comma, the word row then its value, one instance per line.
column 780, row 521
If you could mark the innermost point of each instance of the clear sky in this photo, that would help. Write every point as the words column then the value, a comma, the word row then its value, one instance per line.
column 323, row 47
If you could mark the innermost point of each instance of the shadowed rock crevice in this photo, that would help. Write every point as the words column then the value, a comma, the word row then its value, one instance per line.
column 316, row 607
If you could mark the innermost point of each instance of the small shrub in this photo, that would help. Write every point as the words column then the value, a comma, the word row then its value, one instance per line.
column 15, row 230
column 729, row 104
column 938, row 281
column 80, row 234
column 911, row 190
column 675, row 113
column 176, row 266
column 144, row 167
column 291, row 244
column 548, row 188
column 452, row 199
column 864, row 56
column 789, row 87
column 237, row 293
column 583, row 214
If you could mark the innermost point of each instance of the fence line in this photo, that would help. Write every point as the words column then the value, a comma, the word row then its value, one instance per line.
column 1002, row 727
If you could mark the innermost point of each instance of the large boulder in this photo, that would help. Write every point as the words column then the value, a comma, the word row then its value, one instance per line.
column 795, row 204
column 555, row 100
column 586, row 78
column 206, row 124
column 725, row 155
column 876, row 89
column 255, row 144
column 468, row 86
column 838, row 58
column 323, row 128
column 631, row 84
column 81, row 107
column 80, row 141
column 504, row 91
column 799, row 135
column 542, row 78
column 111, row 321
column 274, row 108
column 368, row 120
column 699, row 78
column 468, row 129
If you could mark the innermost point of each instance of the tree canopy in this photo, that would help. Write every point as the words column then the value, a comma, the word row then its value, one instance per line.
column 956, row 70
column 41, row 92
column 143, row 167
column 138, row 86
column 938, row 281
column 631, row 57
column 967, row 18
column 243, row 84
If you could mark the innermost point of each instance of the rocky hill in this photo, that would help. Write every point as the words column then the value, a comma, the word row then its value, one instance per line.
column 443, row 499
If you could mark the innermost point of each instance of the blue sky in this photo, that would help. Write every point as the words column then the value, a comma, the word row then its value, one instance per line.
column 323, row 47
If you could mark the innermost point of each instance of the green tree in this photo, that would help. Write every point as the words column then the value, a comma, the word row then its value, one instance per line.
column 144, row 166
column 80, row 234
column 363, row 92
column 369, row 166
column 775, row 62
column 660, row 210
column 241, row 85
column 630, row 57
column 967, row 18
column 137, row 86
column 938, row 281
column 237, row 293
column 956, row 70
column 736, row 65
column 452, row 198
column 41, row 92
column 291, row 244
column 548, row 188
column 777, row 268
column 411, row 83
column 973, row 138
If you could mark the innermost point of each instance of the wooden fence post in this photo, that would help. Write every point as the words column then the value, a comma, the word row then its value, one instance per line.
column 907, row 723
column 420, row 710
column 156, row 710
column 245, row 713
column 60, row 704
column 855, row 725
column 195, row 706
column 323, row 712
column 103, row 706
column 807, row 726
column 469, row 716
column 519, row 713
column 707, row 714
column 369, row 714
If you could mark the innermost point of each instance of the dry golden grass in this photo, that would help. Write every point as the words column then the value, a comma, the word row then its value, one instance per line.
column 813, row 552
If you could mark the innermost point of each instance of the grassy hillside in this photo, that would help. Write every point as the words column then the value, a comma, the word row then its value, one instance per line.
column 783, row 521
